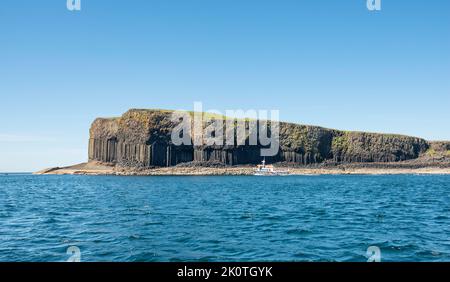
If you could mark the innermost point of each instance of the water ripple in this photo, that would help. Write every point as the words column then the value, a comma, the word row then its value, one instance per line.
column 298, row 218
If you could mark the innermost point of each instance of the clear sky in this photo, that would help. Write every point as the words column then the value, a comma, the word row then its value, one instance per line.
column 323, row 62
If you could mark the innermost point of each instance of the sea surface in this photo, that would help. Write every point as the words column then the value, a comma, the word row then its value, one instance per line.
column 224, row 218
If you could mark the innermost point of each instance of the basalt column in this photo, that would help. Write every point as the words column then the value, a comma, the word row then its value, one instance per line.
column 142, row 138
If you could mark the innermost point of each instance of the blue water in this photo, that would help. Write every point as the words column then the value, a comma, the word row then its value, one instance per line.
column 293, row 218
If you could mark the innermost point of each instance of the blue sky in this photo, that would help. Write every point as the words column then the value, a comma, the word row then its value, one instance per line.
column 323, row 62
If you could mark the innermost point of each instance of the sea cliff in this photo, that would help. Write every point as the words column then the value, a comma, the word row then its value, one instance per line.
column 140, row 140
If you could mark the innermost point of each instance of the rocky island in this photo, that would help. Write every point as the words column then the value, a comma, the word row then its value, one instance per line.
column 139, row 143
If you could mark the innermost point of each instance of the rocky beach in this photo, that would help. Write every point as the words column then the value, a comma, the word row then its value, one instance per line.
column 95, row 168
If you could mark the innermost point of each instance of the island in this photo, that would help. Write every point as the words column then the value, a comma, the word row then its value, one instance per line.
column 139, row 143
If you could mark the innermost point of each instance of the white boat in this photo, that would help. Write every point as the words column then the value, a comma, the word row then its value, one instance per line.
column 268, row 170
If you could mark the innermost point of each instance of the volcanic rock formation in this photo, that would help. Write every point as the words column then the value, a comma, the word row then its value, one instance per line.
column 142, row 138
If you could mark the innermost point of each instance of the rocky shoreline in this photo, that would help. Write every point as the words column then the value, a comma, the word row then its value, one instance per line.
column 204, row 169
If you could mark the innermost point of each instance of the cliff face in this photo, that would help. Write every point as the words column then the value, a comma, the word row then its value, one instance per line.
column 142, row 138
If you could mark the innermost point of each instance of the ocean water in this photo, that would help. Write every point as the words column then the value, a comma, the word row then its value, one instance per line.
column 229, row 218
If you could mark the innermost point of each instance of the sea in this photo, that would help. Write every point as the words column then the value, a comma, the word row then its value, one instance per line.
column 343, row 218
